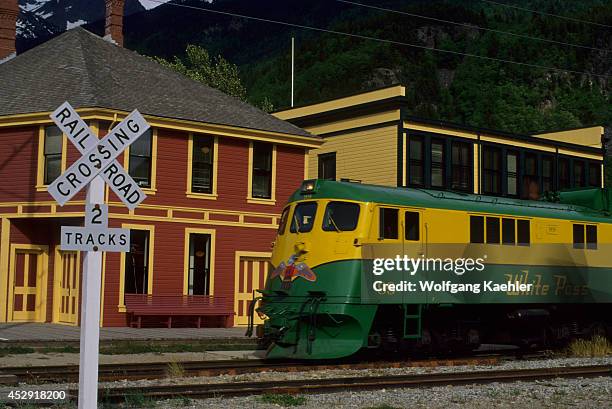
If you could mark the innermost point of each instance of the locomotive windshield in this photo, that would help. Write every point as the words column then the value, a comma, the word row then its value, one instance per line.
column 303, row 217
column 341, row 216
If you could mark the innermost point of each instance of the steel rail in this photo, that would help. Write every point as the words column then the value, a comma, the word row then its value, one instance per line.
column 157, row 370
column 198, row 390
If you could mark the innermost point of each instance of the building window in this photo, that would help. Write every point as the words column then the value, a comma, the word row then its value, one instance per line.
column 411, row 224
column 564, row 174
column 327, row 166
column 140, row 159
column 262, row 171
column 198, row 276
column 388, row 224
column 531, row 185
column 578, row 173
column 52, row 153
column 477, row 229
column 202, row 164
column 594, row 174
column 416, row 161
column 437, row 164
column 548, row 173
column 491, row 159
column 512, row 173
column 461, row 166
column 136, row 275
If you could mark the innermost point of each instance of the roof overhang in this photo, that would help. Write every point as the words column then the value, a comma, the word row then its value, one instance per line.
column 106, row 114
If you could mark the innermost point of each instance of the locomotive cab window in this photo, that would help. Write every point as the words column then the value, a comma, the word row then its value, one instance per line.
column 411, row 225
column 341, row 216
column 388, row 224
column 303, row 217
column 282, row 224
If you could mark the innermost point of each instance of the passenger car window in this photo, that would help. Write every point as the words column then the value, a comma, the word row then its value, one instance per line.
column 341, row 216
column 388, row 223
column 476, row 229
column 492, row 230
column 303, row 217
column 523, row 233
column 411, row 225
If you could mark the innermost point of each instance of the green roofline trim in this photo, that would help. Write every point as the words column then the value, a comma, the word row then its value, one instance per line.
column 436, row 199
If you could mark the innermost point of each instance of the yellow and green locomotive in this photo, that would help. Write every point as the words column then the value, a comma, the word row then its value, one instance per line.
column 358, row 267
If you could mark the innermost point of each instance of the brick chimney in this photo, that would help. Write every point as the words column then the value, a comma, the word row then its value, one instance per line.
column 9, row 9
column 113, row 28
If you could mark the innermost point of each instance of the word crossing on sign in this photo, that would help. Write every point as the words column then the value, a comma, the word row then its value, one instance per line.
column 98, row 158
column 78, row 132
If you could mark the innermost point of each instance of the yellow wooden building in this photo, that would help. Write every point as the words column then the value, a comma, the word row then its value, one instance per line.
column 369, row 137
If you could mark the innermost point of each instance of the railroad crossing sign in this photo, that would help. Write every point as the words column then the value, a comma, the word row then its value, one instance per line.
column 96, row 166
column 98, row 155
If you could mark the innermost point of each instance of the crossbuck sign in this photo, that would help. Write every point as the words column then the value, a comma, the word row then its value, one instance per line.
column 98, row 155
column 96, row 166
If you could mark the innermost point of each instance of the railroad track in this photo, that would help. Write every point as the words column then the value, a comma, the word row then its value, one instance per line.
column 347, row 383
column 157, row 370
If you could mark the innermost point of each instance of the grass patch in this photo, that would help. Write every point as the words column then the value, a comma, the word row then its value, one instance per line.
column 137, row 348
column 596, row 346
column 282, row 399
column 138, row 400
column 133, row 347
column 16, row 350
column 175, row 370
column 61, row 350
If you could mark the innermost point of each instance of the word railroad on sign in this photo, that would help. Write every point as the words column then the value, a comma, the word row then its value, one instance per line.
column 98, row 156
column 96, row 166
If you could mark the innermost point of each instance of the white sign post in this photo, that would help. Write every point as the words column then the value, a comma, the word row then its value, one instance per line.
column 93, row 169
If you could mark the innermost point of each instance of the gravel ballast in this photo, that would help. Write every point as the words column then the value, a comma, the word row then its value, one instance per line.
column 575, row 393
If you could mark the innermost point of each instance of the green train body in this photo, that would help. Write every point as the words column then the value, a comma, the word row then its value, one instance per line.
column 320, row 300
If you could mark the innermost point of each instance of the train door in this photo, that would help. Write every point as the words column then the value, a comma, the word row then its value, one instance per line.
column 250, row 274
column 66, row 293
column 28, row 277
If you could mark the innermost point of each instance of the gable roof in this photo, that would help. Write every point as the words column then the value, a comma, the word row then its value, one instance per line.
column 88, row 71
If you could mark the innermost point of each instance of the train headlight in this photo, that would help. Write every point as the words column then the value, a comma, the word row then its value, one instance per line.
column 309, row 186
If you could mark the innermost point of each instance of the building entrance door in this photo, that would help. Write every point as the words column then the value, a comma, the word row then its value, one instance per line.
column 251, row 273
column 66, row 297
column 28, row 273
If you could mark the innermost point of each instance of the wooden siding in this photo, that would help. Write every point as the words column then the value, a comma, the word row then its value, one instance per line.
column 168, row 269
column 254, row 223
column 369, row 155
column 584, row 136
column 343, row 102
